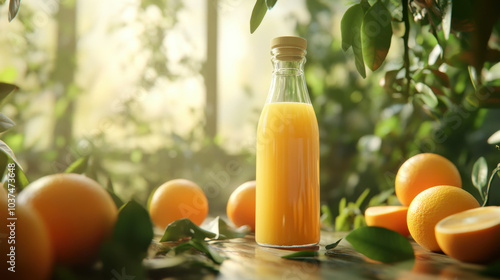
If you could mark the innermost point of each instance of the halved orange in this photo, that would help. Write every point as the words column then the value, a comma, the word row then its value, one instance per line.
column 390, row 217
column 472, row 235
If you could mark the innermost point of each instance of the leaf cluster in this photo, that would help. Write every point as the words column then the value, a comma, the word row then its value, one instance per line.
column 350, row 214
column 480, row 179
column 367, row 29
column 194, row 237
column 7, row 155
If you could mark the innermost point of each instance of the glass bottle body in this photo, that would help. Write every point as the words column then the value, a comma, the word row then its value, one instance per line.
column 287, row 200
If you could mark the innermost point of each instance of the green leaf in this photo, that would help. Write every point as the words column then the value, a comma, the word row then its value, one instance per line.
column 116, row 199
column 333, row 245
column 380, row 198
column 258, row 13
column 6, row 89
column 342, row 222
column 391, row 125
column 4, row 161
column 359, row 221
column 376, row 33
column 473, row 77
column 427, row 95
column 13, row 8
column 5, row 123
column 129, row 244
column 202, row 246
column 446, row 22
column 224, row 231
column 362, row 198
column 184, row 228
column 494, row 138
column 116, row 259
column 79, row 166
column 270, row 4
column 301, row 254
column 342, row 204
column 21, row 179
column 350, row 26
column 152, row 264
column 134, row 228
column 8, row 151
column 480, row 175
column 381, row 244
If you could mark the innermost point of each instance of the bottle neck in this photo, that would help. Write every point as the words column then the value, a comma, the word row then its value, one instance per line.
column 288, row 83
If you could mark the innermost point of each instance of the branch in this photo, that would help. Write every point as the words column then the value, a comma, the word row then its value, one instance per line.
column 406, row 55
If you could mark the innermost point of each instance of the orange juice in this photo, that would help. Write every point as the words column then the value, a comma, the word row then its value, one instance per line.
column 287, row 199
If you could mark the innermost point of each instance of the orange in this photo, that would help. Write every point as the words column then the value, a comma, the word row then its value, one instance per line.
column 241, row 205
column 472, row 235
column 423, row 171
column 78, row 212
column 390, row 217
column 26, row 242
column 177, row 199
column 433, row 205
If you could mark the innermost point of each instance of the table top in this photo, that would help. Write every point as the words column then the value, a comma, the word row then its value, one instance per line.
column 247, row 260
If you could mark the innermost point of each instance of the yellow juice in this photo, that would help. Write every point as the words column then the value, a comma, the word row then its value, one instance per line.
column 287, row 201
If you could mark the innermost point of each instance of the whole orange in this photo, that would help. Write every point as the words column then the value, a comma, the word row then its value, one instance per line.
column 423, row 171
column 472, row 235
column 25, row 244
column 78, row 212
column 177, row 199
column 431, row 206
column 241, row 205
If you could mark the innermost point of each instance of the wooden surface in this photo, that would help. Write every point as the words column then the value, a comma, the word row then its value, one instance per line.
column 247, row 260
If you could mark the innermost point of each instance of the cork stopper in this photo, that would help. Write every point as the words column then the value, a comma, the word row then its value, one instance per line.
column 288, row 47
column 289, row 41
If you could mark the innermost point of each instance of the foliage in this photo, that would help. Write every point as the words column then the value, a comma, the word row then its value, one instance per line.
column 433, row 85
column 350, row 214
column 480, row 178
column 128, row 160
column 192, row 236
column 7, row 156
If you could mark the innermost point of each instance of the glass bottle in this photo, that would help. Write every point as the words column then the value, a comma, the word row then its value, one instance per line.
column 287, row 200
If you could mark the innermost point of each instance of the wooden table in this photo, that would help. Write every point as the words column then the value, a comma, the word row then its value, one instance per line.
column 247, row 260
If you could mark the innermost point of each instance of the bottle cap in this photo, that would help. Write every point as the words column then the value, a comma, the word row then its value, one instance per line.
column 289, row 48
column 289, row 41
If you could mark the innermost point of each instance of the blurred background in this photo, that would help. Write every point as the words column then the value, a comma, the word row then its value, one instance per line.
column 155, row 90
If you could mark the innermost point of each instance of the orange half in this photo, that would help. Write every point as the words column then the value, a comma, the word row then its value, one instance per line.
column 472, row 235
column 390, row 217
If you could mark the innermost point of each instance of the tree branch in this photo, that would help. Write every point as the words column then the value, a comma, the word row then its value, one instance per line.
column 406, row 55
